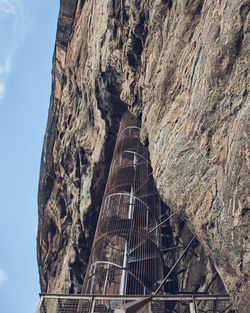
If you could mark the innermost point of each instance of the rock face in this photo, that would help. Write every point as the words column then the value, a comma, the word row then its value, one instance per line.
column 182, row 67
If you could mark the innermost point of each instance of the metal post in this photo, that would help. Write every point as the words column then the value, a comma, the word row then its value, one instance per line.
column 39, row 304
column 195, row 305
column 174, row 266
column 123, row 276
column 93, row 305
column 106, row 279
column 93, row 278
column 162, row 222
column 130, row 216
column 192, row 307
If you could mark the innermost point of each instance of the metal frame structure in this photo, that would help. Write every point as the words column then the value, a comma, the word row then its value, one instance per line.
column 61, row 303
column 125, row 257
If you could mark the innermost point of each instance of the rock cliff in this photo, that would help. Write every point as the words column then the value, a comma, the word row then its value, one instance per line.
column 182, row 66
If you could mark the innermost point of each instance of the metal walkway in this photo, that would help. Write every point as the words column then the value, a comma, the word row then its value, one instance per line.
column 62, row 303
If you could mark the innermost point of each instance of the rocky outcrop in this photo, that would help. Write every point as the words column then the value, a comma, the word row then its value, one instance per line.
column 182, row 67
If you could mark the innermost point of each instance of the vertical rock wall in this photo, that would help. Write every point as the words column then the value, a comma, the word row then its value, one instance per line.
column 182, row 66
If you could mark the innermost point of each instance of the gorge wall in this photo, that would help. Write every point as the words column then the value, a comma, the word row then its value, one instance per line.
column 182, row 67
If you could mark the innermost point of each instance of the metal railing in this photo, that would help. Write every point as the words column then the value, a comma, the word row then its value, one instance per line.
column 68, row 303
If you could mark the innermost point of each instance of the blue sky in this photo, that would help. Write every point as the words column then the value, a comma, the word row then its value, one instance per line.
column 27, row 38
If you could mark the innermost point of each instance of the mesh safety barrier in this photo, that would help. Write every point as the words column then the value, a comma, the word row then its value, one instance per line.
column 162, row 304
column 125, row 257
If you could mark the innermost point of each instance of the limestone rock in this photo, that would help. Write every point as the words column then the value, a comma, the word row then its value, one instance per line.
column 183, row 67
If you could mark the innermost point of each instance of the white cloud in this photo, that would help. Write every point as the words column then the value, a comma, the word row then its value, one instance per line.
column 2, row 90
column 13, row 31
column 3, row 277
column 5, row 69
column 7, row 6
column 5, row 66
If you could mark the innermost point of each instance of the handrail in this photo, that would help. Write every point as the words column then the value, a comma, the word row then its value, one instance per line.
column 169, row 297
column 119, row 266
column 135, row 127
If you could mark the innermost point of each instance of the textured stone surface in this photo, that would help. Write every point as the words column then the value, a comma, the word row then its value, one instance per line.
column 182, row 66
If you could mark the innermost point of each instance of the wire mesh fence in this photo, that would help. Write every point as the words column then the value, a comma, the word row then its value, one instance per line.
column 125, row 256
column 67, row 305
column 160, row 304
